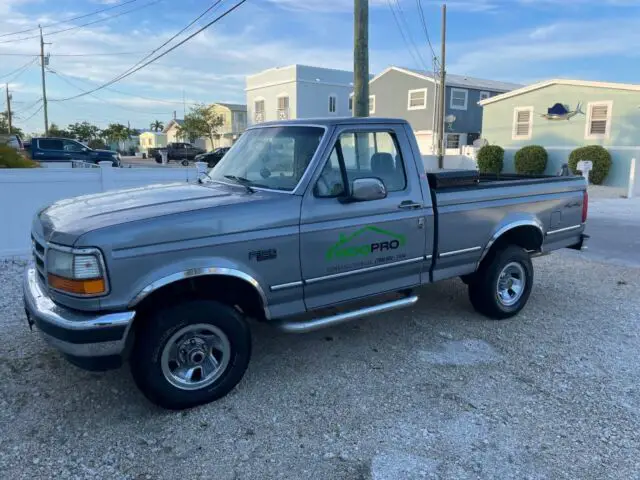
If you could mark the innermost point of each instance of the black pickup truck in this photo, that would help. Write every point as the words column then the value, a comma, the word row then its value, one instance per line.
column 176, row 151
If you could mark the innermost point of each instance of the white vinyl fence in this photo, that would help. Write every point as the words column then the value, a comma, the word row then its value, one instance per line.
column 24, row 191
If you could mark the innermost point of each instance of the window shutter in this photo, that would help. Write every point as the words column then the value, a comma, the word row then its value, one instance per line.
column 522, row 123
column 599, row 114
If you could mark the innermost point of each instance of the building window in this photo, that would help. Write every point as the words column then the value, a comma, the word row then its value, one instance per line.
column 522, row 123
column 283, row 107
column 372, row 104
column 453, row 140
column 333, row 100
column 484, row 95
column 258, row 111
column 459, row 97
column 598, row 120
column 417, row 99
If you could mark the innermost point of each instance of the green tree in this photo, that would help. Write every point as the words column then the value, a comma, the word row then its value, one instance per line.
column 116, row 132
column 201, row 121
column 55, row 131
column 157, row 125
column 84, row 131
column 4, row 126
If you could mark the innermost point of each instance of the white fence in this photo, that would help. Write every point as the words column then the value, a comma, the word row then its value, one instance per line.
column 24, row 191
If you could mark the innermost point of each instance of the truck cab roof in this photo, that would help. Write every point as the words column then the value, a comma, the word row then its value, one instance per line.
column 331, row 121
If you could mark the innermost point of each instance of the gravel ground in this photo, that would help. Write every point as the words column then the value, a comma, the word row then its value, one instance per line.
column 435, row 391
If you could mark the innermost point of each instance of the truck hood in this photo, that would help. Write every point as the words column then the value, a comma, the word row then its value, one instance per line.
column 64, row 221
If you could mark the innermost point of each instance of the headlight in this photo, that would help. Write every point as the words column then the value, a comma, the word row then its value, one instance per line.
column 79, row 272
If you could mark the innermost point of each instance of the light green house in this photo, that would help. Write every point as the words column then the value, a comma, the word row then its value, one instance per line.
column 562, row 115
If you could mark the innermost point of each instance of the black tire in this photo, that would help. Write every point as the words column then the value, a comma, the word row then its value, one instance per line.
column 483, row 290
column 159, row 327
column 158, row 159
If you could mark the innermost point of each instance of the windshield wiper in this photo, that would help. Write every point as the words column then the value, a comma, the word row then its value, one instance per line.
column 245, row 182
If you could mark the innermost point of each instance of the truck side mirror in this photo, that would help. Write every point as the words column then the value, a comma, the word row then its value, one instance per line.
column 367, row 189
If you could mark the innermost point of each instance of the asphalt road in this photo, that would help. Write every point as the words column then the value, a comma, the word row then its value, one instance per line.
column 614, row 227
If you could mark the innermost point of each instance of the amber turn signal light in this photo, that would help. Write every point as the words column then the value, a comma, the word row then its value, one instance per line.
column 93, row 286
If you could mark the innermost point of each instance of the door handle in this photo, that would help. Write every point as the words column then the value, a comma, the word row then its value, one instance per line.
column 409, row 205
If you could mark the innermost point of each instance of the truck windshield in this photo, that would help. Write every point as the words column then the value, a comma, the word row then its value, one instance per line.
column 269, row 157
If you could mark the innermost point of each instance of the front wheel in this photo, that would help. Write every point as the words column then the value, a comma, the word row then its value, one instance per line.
column 503, row 283
column 190, row 353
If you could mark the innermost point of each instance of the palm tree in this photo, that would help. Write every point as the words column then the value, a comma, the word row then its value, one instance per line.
column 157, row 125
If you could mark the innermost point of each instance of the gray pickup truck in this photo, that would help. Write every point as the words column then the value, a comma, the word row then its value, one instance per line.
column 303, row 225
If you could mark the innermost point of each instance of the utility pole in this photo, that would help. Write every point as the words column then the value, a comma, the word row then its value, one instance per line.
column 361, row 59
column 442, row 91
column 8, row 107
column 44, row 87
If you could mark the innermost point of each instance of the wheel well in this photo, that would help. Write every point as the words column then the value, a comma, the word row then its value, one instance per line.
column 526, row 236
column 229, row 290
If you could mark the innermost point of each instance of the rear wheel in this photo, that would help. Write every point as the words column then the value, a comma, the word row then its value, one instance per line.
column 503, row 283
column 191, row 353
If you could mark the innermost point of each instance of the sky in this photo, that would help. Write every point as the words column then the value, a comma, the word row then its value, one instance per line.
column 521, row 41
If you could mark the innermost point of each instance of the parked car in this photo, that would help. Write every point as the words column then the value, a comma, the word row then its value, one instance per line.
column 178, row 151
column 49, row 149
column 212, row 158
column 348, row 225
column 14, row 141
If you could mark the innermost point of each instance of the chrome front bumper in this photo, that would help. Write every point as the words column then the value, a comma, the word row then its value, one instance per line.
column 79, row 335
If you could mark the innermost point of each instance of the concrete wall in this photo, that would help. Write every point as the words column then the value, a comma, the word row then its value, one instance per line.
column 28, row 190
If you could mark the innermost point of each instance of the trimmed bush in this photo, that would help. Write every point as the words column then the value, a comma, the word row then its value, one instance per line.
column 600, row 157
column 491, row 159
column 531, row 160
column 10, row 158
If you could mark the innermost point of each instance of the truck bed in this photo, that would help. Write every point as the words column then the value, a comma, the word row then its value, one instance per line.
column 452, row 180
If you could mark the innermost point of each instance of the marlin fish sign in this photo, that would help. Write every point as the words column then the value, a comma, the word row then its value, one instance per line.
column 561, row 112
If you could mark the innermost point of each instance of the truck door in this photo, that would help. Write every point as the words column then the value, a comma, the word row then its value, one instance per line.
column 356, row 249
column 74, row 150
column 49, row 150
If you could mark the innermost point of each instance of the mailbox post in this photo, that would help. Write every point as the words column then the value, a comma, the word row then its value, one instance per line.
column 585, row 166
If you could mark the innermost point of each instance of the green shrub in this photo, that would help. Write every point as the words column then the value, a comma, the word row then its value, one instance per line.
column 531, row 160
column 491, row 159
column 600, row 157
column 10, row 158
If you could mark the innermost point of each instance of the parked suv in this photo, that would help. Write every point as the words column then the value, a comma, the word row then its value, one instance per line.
column 212, row 158
column 47, row 149
column 176, row 151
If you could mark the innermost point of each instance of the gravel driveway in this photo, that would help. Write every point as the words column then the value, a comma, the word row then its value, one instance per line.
column 435, row 391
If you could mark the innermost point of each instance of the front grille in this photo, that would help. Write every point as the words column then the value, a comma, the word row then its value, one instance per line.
column 38, row 257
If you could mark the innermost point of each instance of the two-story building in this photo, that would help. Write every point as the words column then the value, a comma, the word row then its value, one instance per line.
column 298, row 91
column 411, row 94
column 234, row 122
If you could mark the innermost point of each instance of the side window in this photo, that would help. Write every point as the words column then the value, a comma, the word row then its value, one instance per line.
column 363, row 154
column 71, row 146
column 50, row 144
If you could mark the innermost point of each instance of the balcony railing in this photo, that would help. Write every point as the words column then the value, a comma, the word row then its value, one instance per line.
column 283, row 114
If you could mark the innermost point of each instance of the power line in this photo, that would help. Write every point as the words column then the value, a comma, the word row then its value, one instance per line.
column 70, row 19
column 426, row 30
column 33, row 114
column 71, row 54
column 417, row 61
column 69, row 82
column 75, row 27
column 26, row 65
column 404, row 21
column 20, row 71
column 30, row 106
column 140, row 67
column 211, row 7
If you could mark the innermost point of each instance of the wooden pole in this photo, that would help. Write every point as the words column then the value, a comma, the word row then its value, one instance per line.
column 361, row 59
column 44, row 87
column 442, row 90
column 8, row 108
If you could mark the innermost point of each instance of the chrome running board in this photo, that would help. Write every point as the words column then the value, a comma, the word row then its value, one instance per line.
column 318, row 323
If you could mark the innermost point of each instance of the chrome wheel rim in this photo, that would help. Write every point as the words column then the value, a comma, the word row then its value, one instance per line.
column 511, row 284
column 195, row 356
